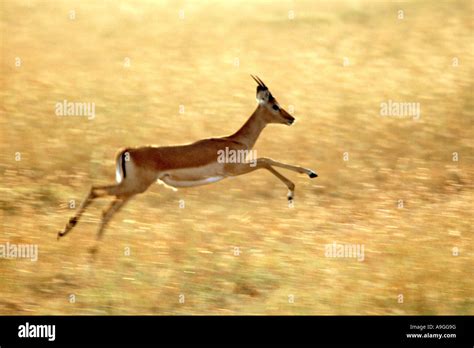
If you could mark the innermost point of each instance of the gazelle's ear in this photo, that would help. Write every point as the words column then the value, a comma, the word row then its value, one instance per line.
column 263, row 95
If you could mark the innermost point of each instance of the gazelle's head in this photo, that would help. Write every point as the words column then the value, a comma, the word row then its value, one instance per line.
column 270, row 109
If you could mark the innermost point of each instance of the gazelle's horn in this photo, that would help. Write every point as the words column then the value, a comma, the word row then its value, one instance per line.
column 263, row 85
column 258, row 82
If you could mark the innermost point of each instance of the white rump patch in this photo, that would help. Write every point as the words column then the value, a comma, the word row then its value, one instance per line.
column 118, row 174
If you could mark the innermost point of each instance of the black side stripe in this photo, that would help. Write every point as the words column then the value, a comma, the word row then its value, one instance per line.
column 123, row 164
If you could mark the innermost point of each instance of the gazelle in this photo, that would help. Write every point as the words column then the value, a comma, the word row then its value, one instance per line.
column 193, row 164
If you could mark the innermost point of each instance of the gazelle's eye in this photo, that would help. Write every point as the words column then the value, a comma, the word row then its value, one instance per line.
column 275, row 107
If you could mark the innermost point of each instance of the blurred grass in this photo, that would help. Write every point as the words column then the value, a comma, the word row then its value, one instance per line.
column 190, row 62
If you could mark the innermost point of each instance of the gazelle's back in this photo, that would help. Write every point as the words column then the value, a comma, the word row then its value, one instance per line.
column 199, row 154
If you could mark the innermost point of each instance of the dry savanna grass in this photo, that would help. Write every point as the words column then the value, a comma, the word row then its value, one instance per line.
column 400, row 186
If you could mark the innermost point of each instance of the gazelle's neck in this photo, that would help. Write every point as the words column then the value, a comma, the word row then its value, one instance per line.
column 250, row 131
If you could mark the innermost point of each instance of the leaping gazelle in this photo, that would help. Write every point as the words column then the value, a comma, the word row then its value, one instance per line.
column 193, row 164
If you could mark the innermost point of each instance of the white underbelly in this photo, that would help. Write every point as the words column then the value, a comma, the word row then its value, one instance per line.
column 189, row 183
column 189, row 177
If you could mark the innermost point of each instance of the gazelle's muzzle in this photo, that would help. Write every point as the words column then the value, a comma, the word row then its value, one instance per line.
column 288, row 118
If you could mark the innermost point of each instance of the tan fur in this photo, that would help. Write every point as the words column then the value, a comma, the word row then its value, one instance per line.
column 192, row 164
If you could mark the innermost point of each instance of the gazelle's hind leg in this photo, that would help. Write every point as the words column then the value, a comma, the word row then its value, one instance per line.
column 107, row 214
column 94, row 192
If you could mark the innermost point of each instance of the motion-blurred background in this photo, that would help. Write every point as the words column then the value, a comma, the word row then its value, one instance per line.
column 176, row 71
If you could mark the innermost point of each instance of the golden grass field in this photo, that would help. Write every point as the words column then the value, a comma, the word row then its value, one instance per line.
column 192, row 61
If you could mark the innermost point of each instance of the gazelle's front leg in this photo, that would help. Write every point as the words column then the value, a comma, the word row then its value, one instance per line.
column 244, row 168
column 297, row 169
column 287, row 182
column 267, row 163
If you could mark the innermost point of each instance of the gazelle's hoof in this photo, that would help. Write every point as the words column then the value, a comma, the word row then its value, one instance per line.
column 94, row 250
column 313, row 175
column 73, row 221
column 290, row 195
